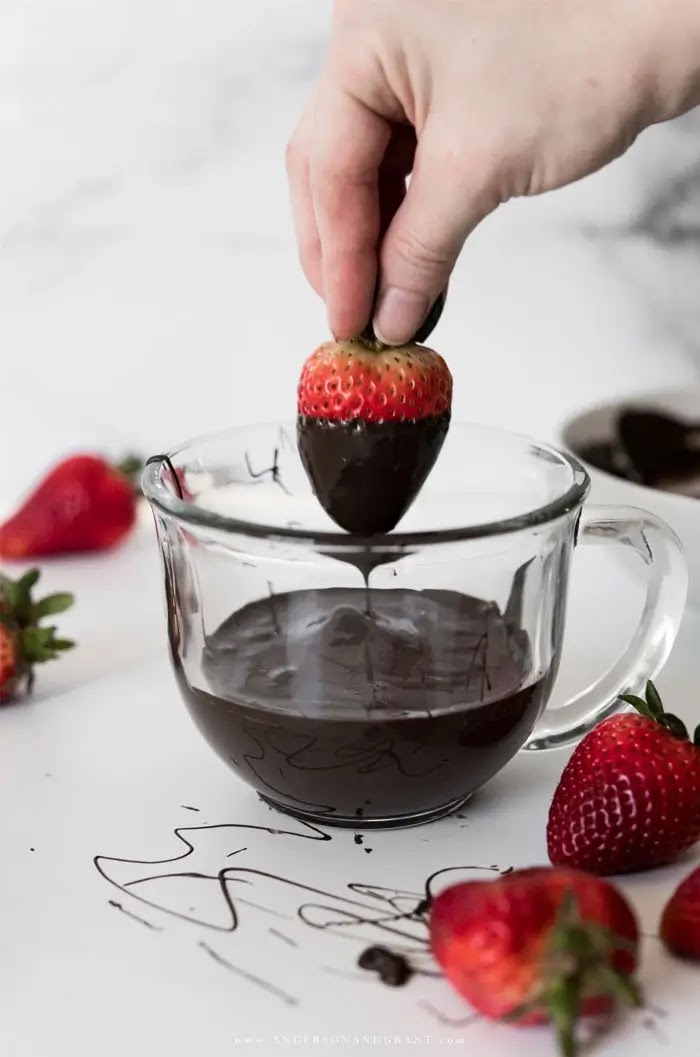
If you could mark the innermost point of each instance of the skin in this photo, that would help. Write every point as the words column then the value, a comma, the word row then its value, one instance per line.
column 481, row 101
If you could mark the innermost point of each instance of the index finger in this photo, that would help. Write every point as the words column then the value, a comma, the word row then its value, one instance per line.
column 349, row 144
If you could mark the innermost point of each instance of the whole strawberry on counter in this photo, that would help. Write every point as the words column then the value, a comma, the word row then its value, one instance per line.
column 371, row 423
column 24, row 642
column 83, row 504
column 680, row 921
column 536, row 946
column 629, row 798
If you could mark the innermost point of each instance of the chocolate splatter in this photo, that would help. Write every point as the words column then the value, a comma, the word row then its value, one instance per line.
column 396, row 916
column 281, row 936
column 392, row 969
column 134, row 917
column 449, row 1022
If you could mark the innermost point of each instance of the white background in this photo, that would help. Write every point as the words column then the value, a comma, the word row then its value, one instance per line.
column 149, row 290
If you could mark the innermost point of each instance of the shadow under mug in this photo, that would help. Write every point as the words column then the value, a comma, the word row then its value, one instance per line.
column 380, row 682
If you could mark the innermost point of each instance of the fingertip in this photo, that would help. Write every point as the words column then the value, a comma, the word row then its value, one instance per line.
column 399, row 315
column 348, row 319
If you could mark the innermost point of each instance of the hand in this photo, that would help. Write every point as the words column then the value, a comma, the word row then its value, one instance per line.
column 482, row 100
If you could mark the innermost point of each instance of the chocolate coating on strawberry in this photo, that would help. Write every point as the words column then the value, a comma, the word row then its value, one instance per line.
column 371, row 423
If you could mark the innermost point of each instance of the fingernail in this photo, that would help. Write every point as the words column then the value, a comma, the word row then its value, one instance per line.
column 399, row 315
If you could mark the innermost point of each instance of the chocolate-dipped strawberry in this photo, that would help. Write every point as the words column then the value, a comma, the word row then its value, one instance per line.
column 371, row 423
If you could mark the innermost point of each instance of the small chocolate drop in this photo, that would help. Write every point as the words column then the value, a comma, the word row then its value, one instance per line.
column 392, row 969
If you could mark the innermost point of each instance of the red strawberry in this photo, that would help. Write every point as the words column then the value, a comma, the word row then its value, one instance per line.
column 537, row 945
column 629, row 798
column 680, row 922
column 371, row 423
column 23, row 642
column 84, row 504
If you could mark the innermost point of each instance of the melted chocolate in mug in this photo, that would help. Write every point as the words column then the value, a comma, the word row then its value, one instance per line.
column 329, row 710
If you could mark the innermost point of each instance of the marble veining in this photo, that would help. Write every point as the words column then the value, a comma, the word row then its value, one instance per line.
column 145, row 236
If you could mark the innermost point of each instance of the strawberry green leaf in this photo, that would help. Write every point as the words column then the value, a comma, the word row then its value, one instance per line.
column 63, row 644
column 625, row 988
column 675, row 725
column 639, row 703
column 27, row 581
column 564, row 1009
column 38, row 645
column 52, row 605
column 654, row 701
column 34, row 643
column 16, row 595
column 23, row 596
column 8, row 592
column 696, row 736
column 577, row 963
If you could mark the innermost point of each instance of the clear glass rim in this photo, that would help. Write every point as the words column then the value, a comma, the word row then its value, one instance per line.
column 160, row 497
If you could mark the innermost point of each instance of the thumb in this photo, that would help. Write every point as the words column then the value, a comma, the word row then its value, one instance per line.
column 449, row 193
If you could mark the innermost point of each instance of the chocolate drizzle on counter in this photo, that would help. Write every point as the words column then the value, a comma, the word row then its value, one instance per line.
column 390, row 913
column 289, row 1000
column 449, row 1022
column 134, row 917
column 281, row 936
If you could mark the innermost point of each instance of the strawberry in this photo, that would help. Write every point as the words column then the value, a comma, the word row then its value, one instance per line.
column 629, row 798
column 83, row 504
column 537, row 945
column 23, row 642
column 680, row 921
column 371, row 423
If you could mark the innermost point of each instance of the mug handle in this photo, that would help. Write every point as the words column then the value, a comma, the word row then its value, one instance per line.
column 667, row 584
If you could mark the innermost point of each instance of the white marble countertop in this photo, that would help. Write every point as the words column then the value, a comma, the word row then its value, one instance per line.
column 147, row 269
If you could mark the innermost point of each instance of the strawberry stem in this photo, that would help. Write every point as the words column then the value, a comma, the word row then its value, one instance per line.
column 576, row 965
column 369, row 340
column 131, row 467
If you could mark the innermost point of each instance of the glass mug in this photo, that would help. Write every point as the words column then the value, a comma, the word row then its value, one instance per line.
column 380, row 682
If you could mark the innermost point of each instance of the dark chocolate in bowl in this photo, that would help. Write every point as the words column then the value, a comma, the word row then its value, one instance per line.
column 651, row 448
column 329, row 710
